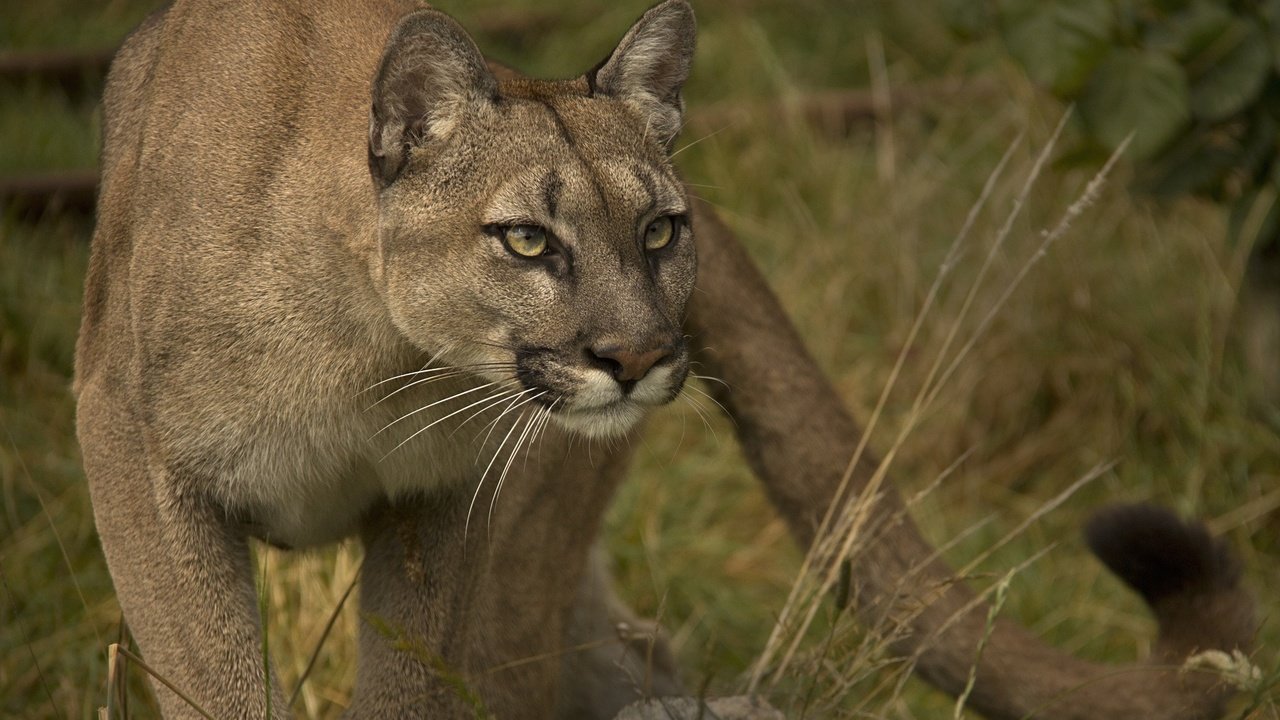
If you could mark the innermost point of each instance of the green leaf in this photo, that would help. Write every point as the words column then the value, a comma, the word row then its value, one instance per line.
column 1230, row 72
column 1057, row 41
column 1139, row 92
column 1189, row 31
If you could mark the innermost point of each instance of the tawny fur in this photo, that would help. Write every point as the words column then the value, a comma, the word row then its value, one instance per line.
column 294, row 203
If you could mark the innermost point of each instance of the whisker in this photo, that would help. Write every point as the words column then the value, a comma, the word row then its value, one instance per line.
column 706, row 395
column 697, row 408
column 704, row 137
column 533, row 436
column 542, row 432
column 425, row 370
column 426, row 380
column 439, row 420
column 537, row 433
column 508, row 395
column 466, row 527
column 507, row 468
column 493, row 424
column 710, row 378
column 437, row 402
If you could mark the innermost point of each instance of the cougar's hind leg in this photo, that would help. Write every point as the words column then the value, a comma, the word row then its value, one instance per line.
column 182, row 574
column 614, row 657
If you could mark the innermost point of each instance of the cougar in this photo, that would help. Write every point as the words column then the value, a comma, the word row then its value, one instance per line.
column 346, row 273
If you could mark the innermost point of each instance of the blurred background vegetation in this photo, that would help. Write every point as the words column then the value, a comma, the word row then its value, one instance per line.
column 845, row 142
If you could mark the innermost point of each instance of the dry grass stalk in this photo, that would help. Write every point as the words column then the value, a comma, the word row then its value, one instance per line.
column 837, row 540
column 134, row 659
column 849, row 532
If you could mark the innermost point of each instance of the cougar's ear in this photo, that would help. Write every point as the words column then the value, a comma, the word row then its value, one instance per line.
column 431, row 72
column 650, row 66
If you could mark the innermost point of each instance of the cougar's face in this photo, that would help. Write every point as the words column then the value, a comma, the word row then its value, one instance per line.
column 545, row 243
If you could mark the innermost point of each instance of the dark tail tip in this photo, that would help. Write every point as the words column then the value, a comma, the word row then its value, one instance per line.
column 1159, row 555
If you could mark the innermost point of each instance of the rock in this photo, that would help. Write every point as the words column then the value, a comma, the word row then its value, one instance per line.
column 740, row 707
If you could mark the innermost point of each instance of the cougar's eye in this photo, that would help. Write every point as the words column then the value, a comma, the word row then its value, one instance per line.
column 659, row 233
column 525, row 240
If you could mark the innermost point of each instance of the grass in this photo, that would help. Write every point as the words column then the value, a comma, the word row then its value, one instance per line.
column 1121, row 347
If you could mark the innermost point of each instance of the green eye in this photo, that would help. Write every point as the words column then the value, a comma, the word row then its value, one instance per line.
column 659, row 233
column 526, row 240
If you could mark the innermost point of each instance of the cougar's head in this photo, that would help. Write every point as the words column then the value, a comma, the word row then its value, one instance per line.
column 535, row 231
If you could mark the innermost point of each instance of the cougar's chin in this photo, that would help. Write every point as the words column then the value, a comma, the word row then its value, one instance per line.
column 608, row 421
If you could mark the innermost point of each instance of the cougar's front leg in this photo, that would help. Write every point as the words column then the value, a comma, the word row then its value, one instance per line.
column 516, row 622
column 181, row 572
column 417, row 595
column 553, row 608
column 463, row 619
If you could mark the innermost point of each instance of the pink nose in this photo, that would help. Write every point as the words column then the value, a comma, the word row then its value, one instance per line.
column 627, row 365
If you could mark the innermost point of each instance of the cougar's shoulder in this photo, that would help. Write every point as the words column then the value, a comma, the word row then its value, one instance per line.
column 213, row 142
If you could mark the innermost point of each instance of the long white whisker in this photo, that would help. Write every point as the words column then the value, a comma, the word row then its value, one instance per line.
column 493, row 424
column 710, row 378
column 502, row 479
column 411, row 373
column 542, row 431
column 466, row 527
column 684, row 428
column 697, row 408
column 497, row 400
column 704, row 137
column 437, row 402
column 439, row 420
column 533, row 434
column 547, row 420
column 541, row 419
column 406, row 386
column 425, row 370
column 706, row 395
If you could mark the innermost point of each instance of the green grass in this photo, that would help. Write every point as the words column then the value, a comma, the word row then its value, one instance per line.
column 1121, row 346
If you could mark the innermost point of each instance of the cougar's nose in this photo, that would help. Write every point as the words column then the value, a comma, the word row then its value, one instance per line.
column 626, row 364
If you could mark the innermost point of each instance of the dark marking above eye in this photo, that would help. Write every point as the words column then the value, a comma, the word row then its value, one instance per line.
column 563, row 129
column 551, row 187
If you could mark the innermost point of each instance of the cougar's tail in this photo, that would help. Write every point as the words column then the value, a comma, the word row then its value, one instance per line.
column 1191, row 581
column 798, row 439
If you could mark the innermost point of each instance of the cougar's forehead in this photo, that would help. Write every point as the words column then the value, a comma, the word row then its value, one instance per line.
column 575, row 160
column 562, row 196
